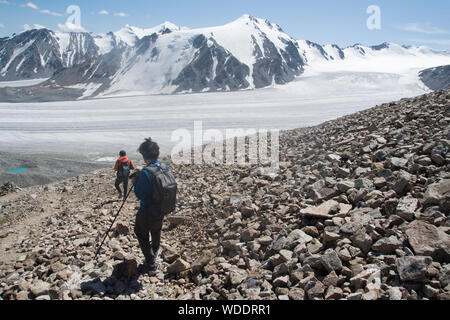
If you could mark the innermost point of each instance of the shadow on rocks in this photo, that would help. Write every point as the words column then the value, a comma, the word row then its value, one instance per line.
column 123, row 281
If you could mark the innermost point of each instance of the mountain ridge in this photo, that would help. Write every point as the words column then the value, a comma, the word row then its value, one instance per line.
column 247, row 53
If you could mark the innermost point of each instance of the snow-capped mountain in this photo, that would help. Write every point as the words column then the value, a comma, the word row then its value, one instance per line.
column 41, row 53
column 248, row 53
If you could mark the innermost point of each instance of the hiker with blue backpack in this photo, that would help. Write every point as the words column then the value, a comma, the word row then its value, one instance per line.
column 156, row 189
column 123, row 168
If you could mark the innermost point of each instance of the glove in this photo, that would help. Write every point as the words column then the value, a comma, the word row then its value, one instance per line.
column 135, row 176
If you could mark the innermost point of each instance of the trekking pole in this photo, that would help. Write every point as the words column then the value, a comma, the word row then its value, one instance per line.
column 117, row 215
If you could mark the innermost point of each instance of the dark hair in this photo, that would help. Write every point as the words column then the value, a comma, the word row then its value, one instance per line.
column 122, row 153
column 149, row 150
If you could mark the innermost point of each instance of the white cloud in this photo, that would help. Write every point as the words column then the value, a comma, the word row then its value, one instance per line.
column 35, row 7
column 4, row 2
column 70, row 27
column 441, row 42
column 426, row 29
column 2, row 25
column 30, row 5
column 27, row 27
column 38, row 26
column 104, row 12
column 51, row 13
column 121, row 14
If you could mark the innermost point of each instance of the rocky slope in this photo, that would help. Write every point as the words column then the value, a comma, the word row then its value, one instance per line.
column 436, row 78
column 358, row 211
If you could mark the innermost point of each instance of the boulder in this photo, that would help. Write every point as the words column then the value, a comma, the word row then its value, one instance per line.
column 428, row 240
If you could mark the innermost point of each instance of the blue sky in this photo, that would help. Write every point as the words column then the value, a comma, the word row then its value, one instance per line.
column 413, row 22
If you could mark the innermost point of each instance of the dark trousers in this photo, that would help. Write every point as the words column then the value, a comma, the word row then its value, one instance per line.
column 146, row 224
column 119, row 181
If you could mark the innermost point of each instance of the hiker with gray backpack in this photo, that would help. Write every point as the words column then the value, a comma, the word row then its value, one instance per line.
column 156, row 189
column 123, row 168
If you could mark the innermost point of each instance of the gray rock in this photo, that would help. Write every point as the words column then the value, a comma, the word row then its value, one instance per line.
column 436, row 193
column 399, row 163
column 330, row 261
column 406, row 207
column 281, row 282
column 237, row 276
column 387, row 245
column 316, row 291
column 40, row 288
column 363, row 184
column 297, row 237
column 395, row 293
column 363, row 241
column 344, row 186
column 412, row 268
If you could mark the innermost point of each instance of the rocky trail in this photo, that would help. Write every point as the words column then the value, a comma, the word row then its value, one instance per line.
column 359, row 210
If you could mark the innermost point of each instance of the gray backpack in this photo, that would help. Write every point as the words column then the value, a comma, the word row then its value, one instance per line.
column 165, row 189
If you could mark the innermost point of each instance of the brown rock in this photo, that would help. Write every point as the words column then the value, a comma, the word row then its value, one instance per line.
column 178, row 266
column 297, row 294
column 178, row 220
column 334, row 293
column 428, row 240
column 126, row 269
column 202, row 261
column 322, row 211
column 122, row 229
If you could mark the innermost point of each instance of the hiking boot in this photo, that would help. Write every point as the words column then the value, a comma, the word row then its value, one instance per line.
column 120, row 196
column 146, row 268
